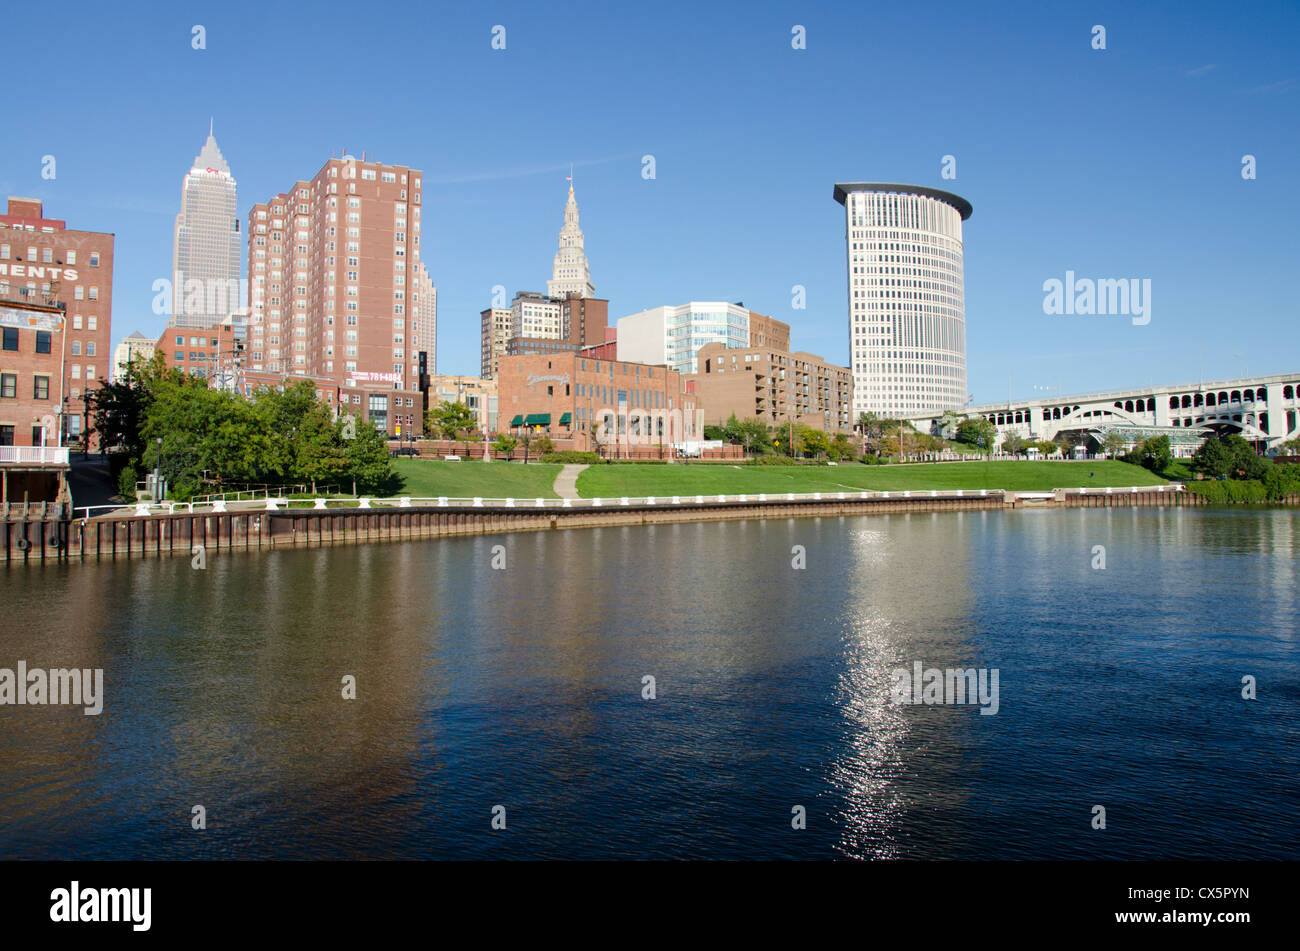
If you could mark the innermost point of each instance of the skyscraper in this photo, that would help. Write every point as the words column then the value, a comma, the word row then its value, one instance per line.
column 907, row 308
column 570, row 274
column 424, row 324
column 205, row 256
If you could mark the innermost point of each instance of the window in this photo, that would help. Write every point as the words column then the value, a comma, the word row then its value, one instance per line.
column 94, row 259
column 6, row 435
column 42, row 341
column 90, row 348
column 40, row 388
column 76, row 348
column 10, row 339
column 76, row 371
column 92, row 322
column 9, row 386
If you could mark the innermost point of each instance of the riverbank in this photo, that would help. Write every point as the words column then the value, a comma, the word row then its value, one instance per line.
column 145, row 531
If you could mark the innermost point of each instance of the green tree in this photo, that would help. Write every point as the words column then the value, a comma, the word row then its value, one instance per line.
column 812, row 442
column 1114, row 444
column 1154, row 454
column 1013, row 443
column 369, row 465
column 1212, row 458
column 841, row 447
column 976, row 431
column 505, row 444
column 118, row 409
column 449, row 420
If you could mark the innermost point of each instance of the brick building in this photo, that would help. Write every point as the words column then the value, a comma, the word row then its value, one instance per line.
column 773, row 385
column 32, row 464
column 54, row 262
column 334, row 277
column 565, row 394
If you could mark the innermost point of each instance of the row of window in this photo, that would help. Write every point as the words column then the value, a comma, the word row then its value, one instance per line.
column 46, row 255
column 9, row 386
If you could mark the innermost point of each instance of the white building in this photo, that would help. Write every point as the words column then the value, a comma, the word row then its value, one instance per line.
column 570, row 274
column 672, row 336
column 907, row 308
column 424, row 322
column 533, row 315
column 135, row 345
column 206, row 249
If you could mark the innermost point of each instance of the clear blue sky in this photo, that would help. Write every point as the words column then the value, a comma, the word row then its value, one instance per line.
column 1122, row 163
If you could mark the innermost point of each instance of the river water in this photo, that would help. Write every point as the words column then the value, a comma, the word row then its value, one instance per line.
column 519, row 692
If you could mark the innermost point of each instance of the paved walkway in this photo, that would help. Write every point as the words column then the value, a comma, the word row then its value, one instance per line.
column 566, row 483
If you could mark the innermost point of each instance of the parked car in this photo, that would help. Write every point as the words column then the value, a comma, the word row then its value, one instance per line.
column 405, row 451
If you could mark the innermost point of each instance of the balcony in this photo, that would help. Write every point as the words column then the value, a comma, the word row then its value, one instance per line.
column 33, row 456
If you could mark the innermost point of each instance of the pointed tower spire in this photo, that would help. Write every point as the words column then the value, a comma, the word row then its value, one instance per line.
column 571, row 274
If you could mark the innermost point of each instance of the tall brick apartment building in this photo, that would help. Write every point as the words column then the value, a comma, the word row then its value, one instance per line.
column 44, row 260
column 334, row 275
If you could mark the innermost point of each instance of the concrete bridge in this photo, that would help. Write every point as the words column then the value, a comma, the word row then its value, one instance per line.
column 1263, row 409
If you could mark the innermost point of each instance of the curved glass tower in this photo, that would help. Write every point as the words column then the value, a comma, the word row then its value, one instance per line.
column 907, row 308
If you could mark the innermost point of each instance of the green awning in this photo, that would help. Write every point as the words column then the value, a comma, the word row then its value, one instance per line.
column 566, row 419
column 517, row 421
column 538, row 419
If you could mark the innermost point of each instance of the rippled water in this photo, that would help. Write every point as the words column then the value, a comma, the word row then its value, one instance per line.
column 523, row 688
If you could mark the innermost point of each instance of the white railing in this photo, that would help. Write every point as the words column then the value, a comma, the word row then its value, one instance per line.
column 34, row 455
column 677, row 501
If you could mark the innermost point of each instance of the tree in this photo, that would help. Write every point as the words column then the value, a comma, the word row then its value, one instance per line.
column 812, row 442
column 369, row 465
column 449, row 420
column 1154, row 454
column 1013, row 443
column 753, row 435
column 1114, row 443
column 118, row 409
column 542, row 445
column 976, row 431
column 504, row 443
column 1212, row 459
column 841, row 447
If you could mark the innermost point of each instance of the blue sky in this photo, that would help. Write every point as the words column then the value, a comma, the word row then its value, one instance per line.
column 1119, row 163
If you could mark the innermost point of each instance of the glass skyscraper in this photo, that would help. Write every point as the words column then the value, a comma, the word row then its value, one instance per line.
column 205, row 256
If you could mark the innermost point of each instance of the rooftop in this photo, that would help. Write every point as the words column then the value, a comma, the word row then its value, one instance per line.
column 964, row 208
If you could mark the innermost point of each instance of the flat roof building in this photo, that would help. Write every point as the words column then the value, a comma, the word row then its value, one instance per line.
column 48, row 261
column 907, row 307
column 673, row 335
column 772, row 385
column 567, row 394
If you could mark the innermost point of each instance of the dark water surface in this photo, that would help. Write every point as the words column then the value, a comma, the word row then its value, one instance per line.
column 523, row 688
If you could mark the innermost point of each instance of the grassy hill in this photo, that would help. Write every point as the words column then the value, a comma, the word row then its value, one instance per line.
column 712, row 479
column 430, row 478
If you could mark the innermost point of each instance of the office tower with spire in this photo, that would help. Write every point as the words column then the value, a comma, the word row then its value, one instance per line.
column 205, row 256
column 571, row 274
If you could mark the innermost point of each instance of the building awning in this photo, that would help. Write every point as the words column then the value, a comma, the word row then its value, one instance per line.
column 517, row 421
column 566, row 419
column 538, row 419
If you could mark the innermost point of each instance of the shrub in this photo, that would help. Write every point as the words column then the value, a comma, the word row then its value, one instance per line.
column 1236, row 490
column 572, row 457
column 126, row 481
column 1281, row 480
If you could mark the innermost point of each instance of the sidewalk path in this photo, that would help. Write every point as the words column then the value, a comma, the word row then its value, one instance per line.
column 566, row 483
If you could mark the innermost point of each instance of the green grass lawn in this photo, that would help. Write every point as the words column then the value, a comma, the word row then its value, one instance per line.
column 430, row 478
column 612, row 481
